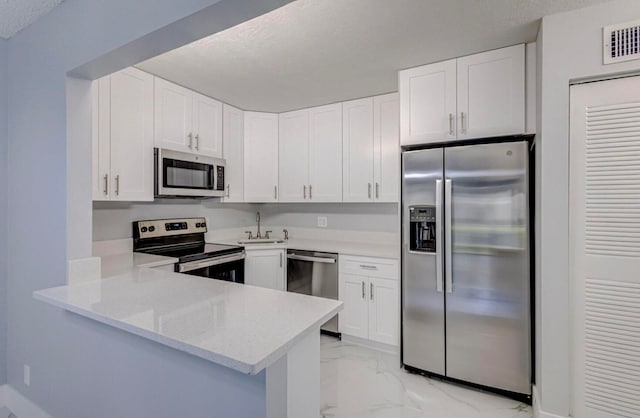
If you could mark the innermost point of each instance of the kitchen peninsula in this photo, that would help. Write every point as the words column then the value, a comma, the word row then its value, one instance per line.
column 267, row 341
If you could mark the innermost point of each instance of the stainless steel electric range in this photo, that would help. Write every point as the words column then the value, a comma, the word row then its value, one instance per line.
column 184, row 239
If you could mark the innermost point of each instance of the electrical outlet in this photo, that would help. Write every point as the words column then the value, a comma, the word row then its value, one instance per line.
column 322, row 221
column 27, row 375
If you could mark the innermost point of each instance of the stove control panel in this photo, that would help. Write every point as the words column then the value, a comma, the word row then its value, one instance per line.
column 169, row 227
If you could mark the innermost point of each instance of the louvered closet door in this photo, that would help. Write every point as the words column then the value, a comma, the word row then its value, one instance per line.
column 605, row 248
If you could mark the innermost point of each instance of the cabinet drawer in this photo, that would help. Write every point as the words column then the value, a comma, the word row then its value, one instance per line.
column 370, row 267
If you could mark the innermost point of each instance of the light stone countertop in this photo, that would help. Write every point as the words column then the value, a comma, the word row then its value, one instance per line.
column 242, row 327
column 113, row 265
column 382, row 250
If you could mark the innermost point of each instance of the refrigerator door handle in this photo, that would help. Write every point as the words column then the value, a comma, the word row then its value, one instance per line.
column 439, row 254
column 447, row 236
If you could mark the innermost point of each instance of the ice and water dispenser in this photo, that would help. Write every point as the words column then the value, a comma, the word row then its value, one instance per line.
column 422, row 225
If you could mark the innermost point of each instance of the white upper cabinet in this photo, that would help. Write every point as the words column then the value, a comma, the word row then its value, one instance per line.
column 173, row 116
column 386, row 135
column 357, row 150
column 207, row 125
column 371, row 153
column 325, row 153
column 482, row 95
column 428, row 103
column 233, row 151
column 491, row 93
column 187, row 121
column 294, row 156
column 311, row 155
column 124, row 136
column 260, row 157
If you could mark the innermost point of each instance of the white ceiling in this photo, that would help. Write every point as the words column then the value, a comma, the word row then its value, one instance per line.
column 313, row 52
column 16, row 15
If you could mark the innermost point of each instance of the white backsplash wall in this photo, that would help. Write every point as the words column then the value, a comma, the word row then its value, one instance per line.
column 112, row 220
column 374, row 217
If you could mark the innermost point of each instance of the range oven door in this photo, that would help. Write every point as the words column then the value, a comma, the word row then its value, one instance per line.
column 229, row 268
column 183, row 174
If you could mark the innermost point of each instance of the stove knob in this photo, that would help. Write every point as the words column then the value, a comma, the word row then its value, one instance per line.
column 204, row 225
column 152, row 228
column 198, row 225
column 143, row 229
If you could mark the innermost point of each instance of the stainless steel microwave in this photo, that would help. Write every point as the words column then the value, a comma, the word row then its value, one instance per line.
column 180, row 174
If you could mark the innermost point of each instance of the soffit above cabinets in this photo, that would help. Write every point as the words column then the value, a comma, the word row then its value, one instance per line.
column 16, row 15
column 314, row 52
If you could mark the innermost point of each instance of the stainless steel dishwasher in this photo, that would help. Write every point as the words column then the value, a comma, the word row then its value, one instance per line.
column 314, row 273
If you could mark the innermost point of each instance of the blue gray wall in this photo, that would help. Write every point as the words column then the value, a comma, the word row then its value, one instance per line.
column 78, row 367
column 3, row 212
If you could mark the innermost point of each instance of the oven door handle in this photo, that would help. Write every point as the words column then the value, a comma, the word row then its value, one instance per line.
column 312, row 259
column 194, row 265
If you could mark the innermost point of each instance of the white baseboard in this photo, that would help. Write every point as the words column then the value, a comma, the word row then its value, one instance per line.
column 537, row 412
column 392, row 349
column 19, row 405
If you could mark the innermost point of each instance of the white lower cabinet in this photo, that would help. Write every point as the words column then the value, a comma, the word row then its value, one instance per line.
column 265, row 268
column 370, row 290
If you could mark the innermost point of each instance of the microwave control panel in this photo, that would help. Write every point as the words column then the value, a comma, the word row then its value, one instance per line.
column 219, row 185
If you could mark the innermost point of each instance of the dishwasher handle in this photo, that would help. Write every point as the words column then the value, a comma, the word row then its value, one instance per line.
column 312, row 259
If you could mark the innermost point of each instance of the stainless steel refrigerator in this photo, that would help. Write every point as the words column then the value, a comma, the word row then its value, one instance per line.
column 466, row 285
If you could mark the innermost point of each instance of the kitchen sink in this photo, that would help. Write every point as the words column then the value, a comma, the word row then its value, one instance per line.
column 261, row 241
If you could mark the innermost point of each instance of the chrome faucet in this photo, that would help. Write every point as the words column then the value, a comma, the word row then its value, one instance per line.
column 258, row 235
column 286, row 234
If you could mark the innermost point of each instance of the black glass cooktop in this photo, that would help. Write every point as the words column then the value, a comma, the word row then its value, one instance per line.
column 195, row 252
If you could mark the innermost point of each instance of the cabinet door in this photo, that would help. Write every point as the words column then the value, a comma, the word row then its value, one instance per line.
column 491, row 93
column 101, row 137
column 384, row 311
column 428, row 103
column 260, row 157
column 386, row 134
column 233, row 151
column 293, row 160
column 173, row 116
column 265, row 268
column 354, row 318
column 325, row 153
column 132, row 135
column 357, row 150
column 207, row 125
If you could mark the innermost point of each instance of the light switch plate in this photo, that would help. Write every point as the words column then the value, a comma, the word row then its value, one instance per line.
column 322, row 221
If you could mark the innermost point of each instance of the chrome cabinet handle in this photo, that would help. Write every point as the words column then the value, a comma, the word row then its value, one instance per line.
column 366, row 267
column 280, row 259
column 118, row 185
column 447, row 238
column 377, row 190
column 275, row 192
column 190, row 136
column 197, row 141
column 363, row 295
column 462, row 125
column 228, row 190
column 439, row 255
column 371, row 291
column 106, row 184
column 451, row 127
column 369, row 190
column 304, row 191
column 310, row 192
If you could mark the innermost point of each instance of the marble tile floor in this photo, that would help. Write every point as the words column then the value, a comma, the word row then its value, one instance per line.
column 358, row 382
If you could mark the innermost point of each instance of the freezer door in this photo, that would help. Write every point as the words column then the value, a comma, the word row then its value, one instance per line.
column 487, row 256
column 422, row 272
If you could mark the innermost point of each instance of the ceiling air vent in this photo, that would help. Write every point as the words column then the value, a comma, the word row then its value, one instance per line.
column 621, row 42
